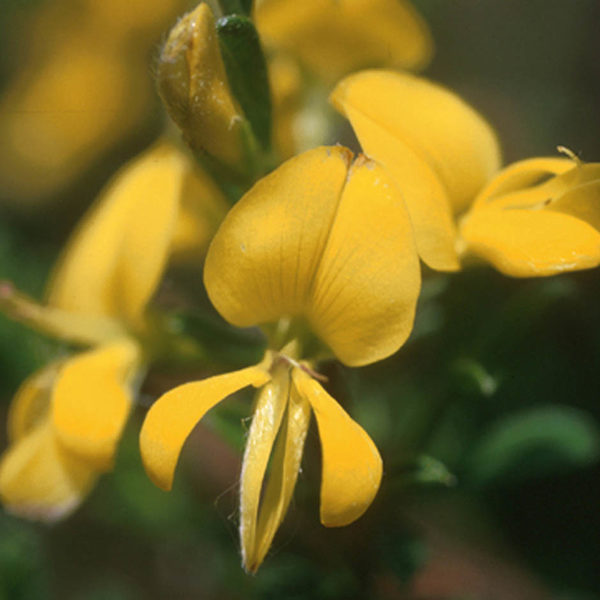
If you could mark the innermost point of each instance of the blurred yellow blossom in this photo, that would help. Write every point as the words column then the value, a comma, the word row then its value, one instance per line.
column 66, row 420
column 83, row 84
column 537, row 217
column 320, row 254
column 331, row 38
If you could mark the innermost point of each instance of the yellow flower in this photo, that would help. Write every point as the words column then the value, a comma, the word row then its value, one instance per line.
column 334, row 37
column 436, row 147
column 82, row 85
column 327, row 39
column 537, row 217
column 320, row 254
column 66, row 420
column 443, row 155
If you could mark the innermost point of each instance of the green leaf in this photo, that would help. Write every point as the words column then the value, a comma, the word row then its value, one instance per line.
column 534, row 443
column 247, row 73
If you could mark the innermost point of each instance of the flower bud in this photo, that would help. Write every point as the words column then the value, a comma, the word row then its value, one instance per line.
column 193, row 85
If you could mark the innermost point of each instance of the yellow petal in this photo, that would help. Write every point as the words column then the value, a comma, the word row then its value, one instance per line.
column 531, row 243
column 114, row 261
column 261, row 262
column 39, row 479
column 282, row 479
column 531, row 174
column 194, row 87
column 31, row 402
column 581, row 202
column 316, row 242
column 442, row 129
column 173, row 416
column 366, row 287
column 334, row 37
column 437, row 148
column 91, row 401
column 352, row 467
column 268, row 412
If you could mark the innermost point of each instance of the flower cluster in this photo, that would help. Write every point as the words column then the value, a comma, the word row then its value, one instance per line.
column 320, row 251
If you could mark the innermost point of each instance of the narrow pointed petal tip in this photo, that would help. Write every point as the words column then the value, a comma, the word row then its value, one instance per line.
column 270, row 407
column 282, row 479
column 352, row 466
column 174, row 415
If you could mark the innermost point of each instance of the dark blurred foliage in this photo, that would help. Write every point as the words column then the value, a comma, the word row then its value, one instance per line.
column 487, row 420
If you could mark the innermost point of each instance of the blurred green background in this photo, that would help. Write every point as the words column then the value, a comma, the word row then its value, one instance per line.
column 487, row 420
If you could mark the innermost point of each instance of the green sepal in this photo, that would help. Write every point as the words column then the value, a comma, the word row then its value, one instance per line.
column 247, row 73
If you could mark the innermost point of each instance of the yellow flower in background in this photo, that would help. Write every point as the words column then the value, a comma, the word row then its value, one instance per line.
column 313, row 43
column 437, row 148
column 66, row 420
column 83, row 84
column 537, row 217
column 320, row 253
column 331, row 38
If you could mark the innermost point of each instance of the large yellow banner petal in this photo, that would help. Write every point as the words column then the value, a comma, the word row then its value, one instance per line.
column 366, row 288
column 262, row 261
column 442, row 129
